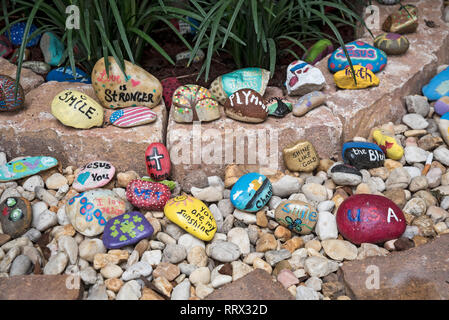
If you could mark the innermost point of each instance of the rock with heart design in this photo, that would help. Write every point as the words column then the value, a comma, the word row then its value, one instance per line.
column 365, row 78
column 132, row 117
column 95, row 174
column 403, row 21
column 303, row 78
column 297, row 216
column 137, row 88
column 169, row 86
column 301, row 156
column 147, row 195
column 278, row 107
column 194, row 103
column 192, row 215
column 363, row 155
column 442, row 106
column 126, row 229
column 318, row 51
column 308, row 102
column 392, row 43
column 65, row 74
column 364, row 218
column 438, row 87
column 392, row 149
column 24, row 167
column 77, row 110
column 251, row 192
column 8, row 99
column 444, row 127
column 15, row 216
column 246, row 105
column 158, row 162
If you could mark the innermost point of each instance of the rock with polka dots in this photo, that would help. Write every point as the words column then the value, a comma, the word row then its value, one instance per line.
column 18, row 33
column 8, row 100
column 137, row 88
column 169, row 87
column 146, row 195
column 15, row 216
column 246, row 105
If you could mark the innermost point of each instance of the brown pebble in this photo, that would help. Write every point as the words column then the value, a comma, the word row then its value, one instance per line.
column 226, row 269
column 403, row 244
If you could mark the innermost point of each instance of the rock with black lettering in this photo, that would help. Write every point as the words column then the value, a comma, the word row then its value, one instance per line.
column 363, row 155
column 301, row 156
column 246, row 105
column 345, row 175
column 297, row 216
column 95, row 174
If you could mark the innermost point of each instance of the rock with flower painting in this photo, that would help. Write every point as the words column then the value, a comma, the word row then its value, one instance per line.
column 192, row 215
column 158, row 162
column 297, row 216
column 137, row 88
column 303, row 78
column 95, row 174
column 251, row 192
column 15, row 216
column 126, row 229
column 8, row 99
column 403, row 21
column 392, row 43
column 147, row 195
column 246, row 105
column 278, row 107
column 24, row 167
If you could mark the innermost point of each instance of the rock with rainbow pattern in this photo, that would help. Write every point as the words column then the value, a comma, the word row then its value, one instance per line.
column 8, row 101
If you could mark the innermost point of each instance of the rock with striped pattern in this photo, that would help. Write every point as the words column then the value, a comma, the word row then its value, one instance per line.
column 132, row 117
column 8, row 101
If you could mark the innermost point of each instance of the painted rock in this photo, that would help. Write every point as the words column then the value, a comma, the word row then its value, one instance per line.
column 442, row 106
column 308, row 102
column 64, row 74
column 95, row 174
column 392, row 149
column 132, row 117
column 246, row 105
column 301, row 156
column 186, row 28
column 344, row 79
column 138, row 88
column 15, row 216
column 251, row 192
column 38, row 67
column 227, row 84
column 444, row 127
column 303, row 78
column 392, row 43
column 403, row 21
column 18, row 32
column 297, row 216
column 278, row 107
column 192, row 215
column 8, row 100
column 183, row 58
column 89, row 211
column 438, row 86
column 171, row 184
column 77, row 110
column 5, row 47
column 318, row 51
column 363, row 155
column 345, row 175
column 126, row 229
column 169, row 87
column 28, row 166
column 147, row 195
column 194, row 103
column 366, row 218
column 52, row 48
column 158, row 162
column 361, row 53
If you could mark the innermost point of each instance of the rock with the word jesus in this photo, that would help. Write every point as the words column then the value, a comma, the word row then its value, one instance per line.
column 116, row 90
column 363, row 155
column 301, row 156
column 132, row 117
column 297, row 216
column 364, row 78
column 278, row 107
column 444, row 127
column 318, row 51
column 15, row 216
column 251, row 192
column 364, row 218
column 392, row 149
column 403, row 21
column 158, row 162
column 246, row 105
column 147, row 195
column 438, row 87
column 25, row 167
column 308, row 102
column 392, row 43
column 8, row 99
column 303, row 78
column 95, row 174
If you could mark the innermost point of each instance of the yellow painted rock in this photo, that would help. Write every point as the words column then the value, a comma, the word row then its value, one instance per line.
column 389, row 145
column 192, row 215
column 77, row 110
column 138, row 88
column 365, row 78
column 301, row 156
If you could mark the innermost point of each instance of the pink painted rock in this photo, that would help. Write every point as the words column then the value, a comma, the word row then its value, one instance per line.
column 370, row 218
column 95, row 174
column 287, row 278
column 158, row 161
column 147, row 195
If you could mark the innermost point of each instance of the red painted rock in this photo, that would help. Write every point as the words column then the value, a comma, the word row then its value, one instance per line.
column 147, row 195
column 169, row 87
column 158, row 161
column 370, row 218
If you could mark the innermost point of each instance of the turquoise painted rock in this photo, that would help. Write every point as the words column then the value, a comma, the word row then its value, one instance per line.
column 52, row 49
column 438, row 87
column 444, row 127
column 318, row 51
column 361, row 53
column 251, row 192
column 18, row 169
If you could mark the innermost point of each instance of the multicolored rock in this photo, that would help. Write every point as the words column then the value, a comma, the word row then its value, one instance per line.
column 363, row 155
column 403, row 21
column 15, row 216
column 361, row 53
column 392, row 149
column 392, row 43
column 8, row 99
column 442, row 106
column 52, row 48
column 251, row 192
column 192, row 215
column 297, row 216
column 28, row 166
column 169, row 87
column 308, row 102
column 194, row 103
column 95, row 174
column 18, row 32
column 126, row 229
column 318, row 51
column 303, row 78
column 444, row 127
column 132, row 117
column 5, row 47
column 246, row 105
column 366, row 218
column 147, row 195
column 278, row 107
column 365, row 78
column 251, row 78
column 438, row 87
column 158, row 162
column 301, row 156
column 65, row 74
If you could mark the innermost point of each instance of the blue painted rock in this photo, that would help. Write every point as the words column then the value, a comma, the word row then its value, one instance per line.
column 251, row 192
column 147, row 195
column 28, row 166
column 345, row 175
column 318, row 51
column 303, row 78
column 366, row 218
column 64, row 74
column 126, row 229
column 392, row 43
column 278, row 107
column 158, row 162
column 246, row 105
column 5, row 47
column 15, row 216
column 132, row 117
column 18, row 32
column 297, row 216
column 438, row 87
column 361, row 53
column 363, row 155
column 8, row 100
column 95, row 174
column 52, row 48
column 405, row 20
column 442, row 106
column 444, row 127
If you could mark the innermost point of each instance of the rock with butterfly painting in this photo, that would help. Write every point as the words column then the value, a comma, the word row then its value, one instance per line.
column 297, row 216
column 8, row 99
column 303, row 78
column 15, row 216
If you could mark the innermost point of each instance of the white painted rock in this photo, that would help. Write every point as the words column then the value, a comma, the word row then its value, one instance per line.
column 93, row 175
column 303, row 78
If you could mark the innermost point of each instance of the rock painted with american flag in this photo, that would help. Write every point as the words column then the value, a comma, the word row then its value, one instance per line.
column 132, row 117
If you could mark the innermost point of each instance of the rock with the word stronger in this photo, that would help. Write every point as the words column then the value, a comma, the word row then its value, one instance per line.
column 438, row 87
column 158, row 162
column 297, row 216
column 363, row 155
column 392, row 43
column 444, row 127
column 389, row 145
column 303, row 78
column 24, row 167
column 251, row 192
column 132, row 117
column 95, row 174
column 147, row 195
column 308, row 102
column 301, row 156
column 8, row 99
column 344, row 79
column 405, row 20
column 366, row 218
column 246, row 105
column 15, row 216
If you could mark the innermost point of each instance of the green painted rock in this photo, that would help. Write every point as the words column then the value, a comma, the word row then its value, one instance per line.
column 318, row 51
